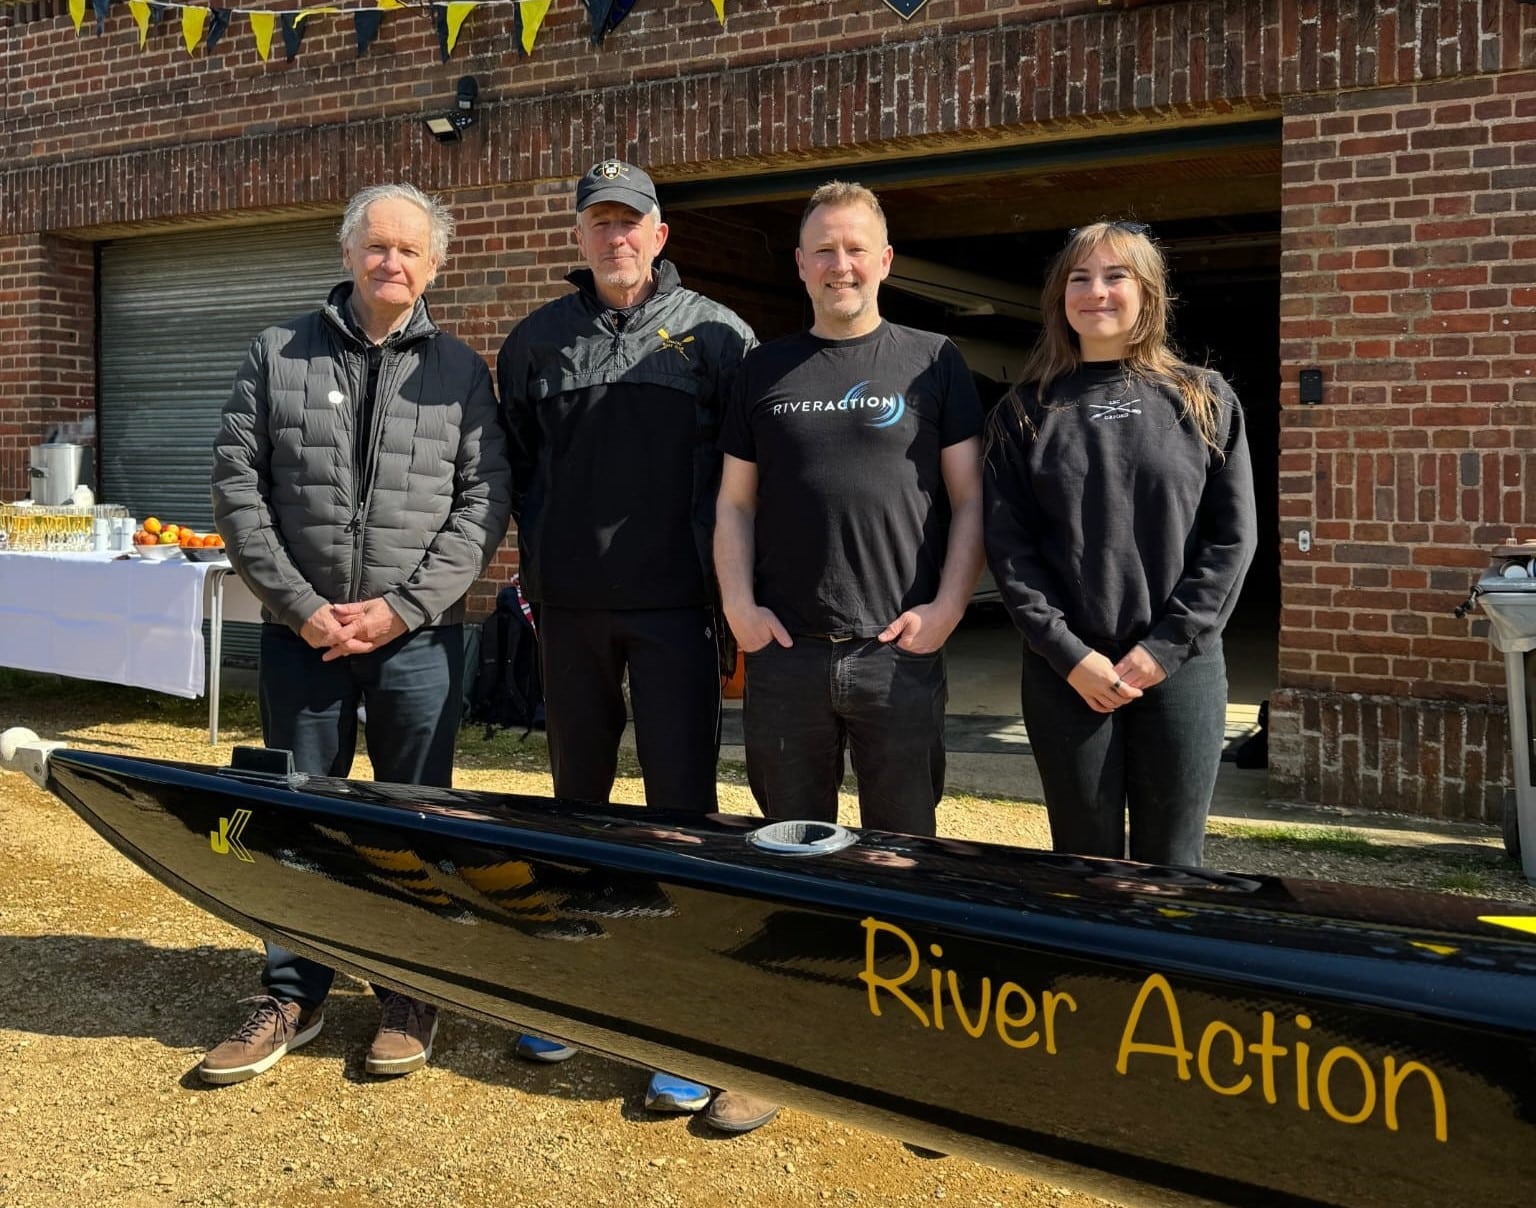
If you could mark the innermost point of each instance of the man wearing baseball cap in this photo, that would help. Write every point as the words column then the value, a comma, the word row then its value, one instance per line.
column 613, row 396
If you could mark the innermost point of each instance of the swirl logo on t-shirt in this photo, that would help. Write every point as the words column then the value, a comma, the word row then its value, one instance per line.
column 888, row 408
column 891, row 407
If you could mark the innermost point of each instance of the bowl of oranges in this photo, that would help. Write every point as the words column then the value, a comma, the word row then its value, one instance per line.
column 160, row 541
column 211, row 550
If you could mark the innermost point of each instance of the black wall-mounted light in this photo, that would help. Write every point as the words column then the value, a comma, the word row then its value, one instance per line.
column 448, row 127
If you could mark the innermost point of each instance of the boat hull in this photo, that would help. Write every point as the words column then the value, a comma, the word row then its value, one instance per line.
column 1157, row 1036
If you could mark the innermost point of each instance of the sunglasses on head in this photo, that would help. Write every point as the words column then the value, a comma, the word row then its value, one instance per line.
column 1119, row 224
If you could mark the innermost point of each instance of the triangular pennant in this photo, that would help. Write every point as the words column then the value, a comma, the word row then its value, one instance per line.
column 905, row 9
column 156, row 12
column 597, row 14
column 528, row 17
column 140, row 11
column 192, row 21
column 458, row 11
column 605, row 16
column 440, row 28
column 100, row 8
column 719, row 7
column 77, row 13
column 218, row 22
column 262, row 25
column 293, row 33
column 365, row 23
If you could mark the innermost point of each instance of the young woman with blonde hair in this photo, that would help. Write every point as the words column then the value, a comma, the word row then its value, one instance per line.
column 1119, row 526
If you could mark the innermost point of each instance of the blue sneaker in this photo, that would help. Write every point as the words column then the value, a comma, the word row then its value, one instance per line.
column 669, row 1093
column 536, row 1048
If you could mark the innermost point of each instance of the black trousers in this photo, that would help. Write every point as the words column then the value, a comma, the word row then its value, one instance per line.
column 807, row 703
column 674, row 686
column 1154, row 760
column 411, row 688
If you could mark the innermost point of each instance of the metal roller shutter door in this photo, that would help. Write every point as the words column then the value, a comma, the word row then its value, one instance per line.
column 177, row 314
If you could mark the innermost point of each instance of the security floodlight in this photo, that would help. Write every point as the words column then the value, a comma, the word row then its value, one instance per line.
column 450, row 126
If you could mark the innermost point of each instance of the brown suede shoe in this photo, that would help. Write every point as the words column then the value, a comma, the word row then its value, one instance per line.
column 274, row 1028
column 734, row 1112
column 404, row 1039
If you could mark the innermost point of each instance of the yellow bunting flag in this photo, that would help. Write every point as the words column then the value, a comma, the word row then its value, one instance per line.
column 262, row 25
column 192, row 22
column 719, row 7
column 140, row 11
column 385, row 6
column 77, row 13
column 533, row 16
column 457, row 11
column 305, row 13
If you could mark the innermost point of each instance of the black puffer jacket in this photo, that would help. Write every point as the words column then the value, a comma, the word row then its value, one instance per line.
column 301, row 529
column 612, row 419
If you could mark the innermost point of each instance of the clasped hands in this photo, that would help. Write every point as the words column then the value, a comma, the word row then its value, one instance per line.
column 351, row 628
column 1105, row 686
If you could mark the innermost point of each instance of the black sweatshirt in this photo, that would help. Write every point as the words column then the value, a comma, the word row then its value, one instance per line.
column 1112, row 523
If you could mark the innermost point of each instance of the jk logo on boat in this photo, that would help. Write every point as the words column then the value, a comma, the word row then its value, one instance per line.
column 227, row 837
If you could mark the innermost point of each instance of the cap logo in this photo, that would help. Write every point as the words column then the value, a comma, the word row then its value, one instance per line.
column 611, row 170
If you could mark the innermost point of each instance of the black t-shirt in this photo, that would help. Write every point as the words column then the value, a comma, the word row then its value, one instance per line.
column 852, row 515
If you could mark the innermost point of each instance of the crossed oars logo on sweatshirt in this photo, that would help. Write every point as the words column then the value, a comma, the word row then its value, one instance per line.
column 677, row 346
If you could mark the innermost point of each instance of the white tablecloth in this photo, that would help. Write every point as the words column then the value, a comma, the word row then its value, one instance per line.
column 102, row 617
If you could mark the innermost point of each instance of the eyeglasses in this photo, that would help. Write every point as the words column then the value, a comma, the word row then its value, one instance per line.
column 1119, row 224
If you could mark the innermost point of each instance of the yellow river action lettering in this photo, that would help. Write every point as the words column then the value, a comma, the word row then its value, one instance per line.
column 1339, row 1081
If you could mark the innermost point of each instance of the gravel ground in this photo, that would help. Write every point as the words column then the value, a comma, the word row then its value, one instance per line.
column 112, row 986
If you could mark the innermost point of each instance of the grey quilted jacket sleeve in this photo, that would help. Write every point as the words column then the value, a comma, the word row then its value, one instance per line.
column 242, row 489
column 477, row 520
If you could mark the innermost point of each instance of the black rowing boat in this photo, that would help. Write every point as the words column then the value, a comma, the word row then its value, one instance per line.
column 1154, row 1035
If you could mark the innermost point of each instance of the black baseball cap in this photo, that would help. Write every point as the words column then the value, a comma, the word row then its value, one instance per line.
column 614, row 180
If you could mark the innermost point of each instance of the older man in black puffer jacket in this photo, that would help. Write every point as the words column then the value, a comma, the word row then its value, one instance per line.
column 361, row 485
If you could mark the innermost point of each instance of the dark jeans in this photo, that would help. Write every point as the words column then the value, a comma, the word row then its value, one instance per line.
column 674, row 685
column 804, row 704
column 411, row 689
column 1155, row 758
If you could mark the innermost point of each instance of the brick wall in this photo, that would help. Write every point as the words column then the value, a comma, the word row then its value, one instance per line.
column 1409, row 277
column 100, row 92
column 1446, row 759
column 47, row 346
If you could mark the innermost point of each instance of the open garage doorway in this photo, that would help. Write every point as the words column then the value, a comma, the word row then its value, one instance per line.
column 973, row 233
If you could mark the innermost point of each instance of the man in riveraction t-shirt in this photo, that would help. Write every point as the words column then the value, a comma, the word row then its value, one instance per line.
column 848, row 535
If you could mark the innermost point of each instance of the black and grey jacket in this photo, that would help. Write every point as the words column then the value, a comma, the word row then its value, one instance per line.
column 303, row 527
column 612, row 418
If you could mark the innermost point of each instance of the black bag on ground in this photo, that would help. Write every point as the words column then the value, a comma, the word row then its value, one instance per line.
column 508, row 692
